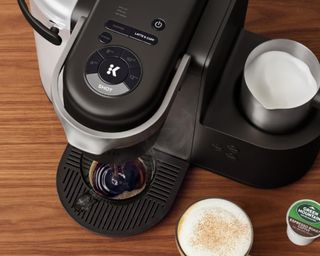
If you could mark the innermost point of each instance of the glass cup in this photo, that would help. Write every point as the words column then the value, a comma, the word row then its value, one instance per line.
column 214, row 226
column 122, row 180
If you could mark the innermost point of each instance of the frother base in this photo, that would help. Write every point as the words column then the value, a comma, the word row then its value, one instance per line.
column 118, row 218
column 228, row 144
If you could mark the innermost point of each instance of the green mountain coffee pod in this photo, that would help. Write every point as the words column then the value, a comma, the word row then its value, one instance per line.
column 303, row 219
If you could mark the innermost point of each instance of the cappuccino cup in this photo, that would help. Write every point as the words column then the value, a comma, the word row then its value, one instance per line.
column 214, row 227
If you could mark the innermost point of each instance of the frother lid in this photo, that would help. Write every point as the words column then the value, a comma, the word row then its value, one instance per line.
column 58, row 11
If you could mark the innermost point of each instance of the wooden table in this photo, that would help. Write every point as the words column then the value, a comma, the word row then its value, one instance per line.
column 32, row 221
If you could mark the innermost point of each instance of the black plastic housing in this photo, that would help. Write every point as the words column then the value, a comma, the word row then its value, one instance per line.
column 226, row 142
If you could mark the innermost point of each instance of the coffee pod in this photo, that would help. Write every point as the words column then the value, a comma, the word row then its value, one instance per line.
column 214, row 227
column 303, row 219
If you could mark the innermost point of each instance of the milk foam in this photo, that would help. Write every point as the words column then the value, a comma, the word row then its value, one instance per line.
column 215, row 227
column 279, row 80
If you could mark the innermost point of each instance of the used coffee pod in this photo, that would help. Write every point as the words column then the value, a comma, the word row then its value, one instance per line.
column 214, row 227
column 303, row 219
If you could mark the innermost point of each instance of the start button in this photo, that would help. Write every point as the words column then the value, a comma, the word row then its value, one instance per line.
column 159, row 24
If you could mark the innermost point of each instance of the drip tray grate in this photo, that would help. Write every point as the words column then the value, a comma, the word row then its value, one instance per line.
column 118, row 218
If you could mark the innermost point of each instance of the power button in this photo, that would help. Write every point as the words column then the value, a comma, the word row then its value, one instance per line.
column 159, row 24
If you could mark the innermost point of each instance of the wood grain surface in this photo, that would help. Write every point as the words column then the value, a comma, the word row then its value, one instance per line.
column 32, row 221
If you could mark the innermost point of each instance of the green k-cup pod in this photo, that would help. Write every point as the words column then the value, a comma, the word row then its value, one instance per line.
column 303, row 219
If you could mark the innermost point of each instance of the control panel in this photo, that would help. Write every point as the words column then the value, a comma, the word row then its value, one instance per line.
column 113, row 71
column 132, row 32
column 124, row 59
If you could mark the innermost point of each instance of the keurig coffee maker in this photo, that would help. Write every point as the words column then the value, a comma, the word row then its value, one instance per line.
column 143, row 90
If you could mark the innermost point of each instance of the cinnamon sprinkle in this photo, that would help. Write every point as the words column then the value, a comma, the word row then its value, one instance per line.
column 219, row 232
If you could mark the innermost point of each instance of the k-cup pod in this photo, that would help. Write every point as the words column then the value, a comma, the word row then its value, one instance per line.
column 214, row 227
column 303, row 220
column 280, row 85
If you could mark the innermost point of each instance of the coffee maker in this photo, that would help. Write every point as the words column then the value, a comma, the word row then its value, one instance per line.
column 159, row 82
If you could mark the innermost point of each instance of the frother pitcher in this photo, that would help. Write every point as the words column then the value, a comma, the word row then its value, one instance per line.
column 279, row 120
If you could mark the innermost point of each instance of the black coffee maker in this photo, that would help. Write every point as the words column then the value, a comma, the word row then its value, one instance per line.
column 145, row 89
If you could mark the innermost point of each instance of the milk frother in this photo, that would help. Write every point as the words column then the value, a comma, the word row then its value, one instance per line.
column 279, row 120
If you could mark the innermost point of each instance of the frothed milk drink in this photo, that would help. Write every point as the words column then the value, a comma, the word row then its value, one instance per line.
column 214, row 227
column 279, row 80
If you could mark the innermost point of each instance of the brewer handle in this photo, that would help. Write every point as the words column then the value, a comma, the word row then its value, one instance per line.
column 50, row 34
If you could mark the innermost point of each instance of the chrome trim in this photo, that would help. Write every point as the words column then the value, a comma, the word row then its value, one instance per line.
column 96, row 142
column 59, row 11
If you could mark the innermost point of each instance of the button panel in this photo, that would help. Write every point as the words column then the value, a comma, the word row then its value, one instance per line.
column 113, row 71
column 131, row 32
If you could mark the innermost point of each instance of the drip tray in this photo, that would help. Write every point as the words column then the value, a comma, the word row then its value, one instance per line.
column 118, row 218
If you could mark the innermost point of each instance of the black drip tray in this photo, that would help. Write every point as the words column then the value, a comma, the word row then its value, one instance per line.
column 118, row 218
